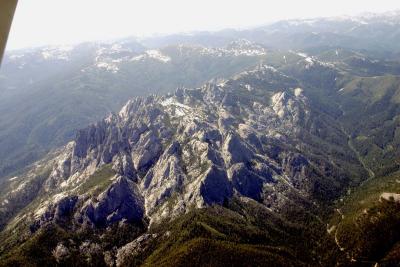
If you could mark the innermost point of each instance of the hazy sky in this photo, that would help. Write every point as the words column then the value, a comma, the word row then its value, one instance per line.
column 43, row 22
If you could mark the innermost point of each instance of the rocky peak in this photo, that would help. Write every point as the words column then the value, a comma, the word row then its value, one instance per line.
column 161, row 156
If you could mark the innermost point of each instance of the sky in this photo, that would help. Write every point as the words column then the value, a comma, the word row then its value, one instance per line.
column 50, row 22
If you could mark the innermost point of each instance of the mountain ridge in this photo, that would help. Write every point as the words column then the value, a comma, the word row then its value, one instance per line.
column 282, row 157
column 165, row 155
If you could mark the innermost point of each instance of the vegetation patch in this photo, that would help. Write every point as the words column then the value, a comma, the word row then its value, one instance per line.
column 98, row 181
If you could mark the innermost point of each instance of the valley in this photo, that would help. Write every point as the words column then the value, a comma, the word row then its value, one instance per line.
column 275, row 146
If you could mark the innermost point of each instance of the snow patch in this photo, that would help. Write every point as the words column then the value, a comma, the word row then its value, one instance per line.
column 302, row 54
column 237, row 48
column 153, row 54
column 108, row 66
column 309, row 60
column 57, row 53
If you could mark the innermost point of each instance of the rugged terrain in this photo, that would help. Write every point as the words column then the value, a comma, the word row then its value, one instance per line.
column 291, row 162
column 47, row 93
column 39, row 86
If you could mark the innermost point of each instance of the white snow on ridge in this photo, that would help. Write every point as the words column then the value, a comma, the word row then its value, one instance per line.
column 240, row 47
column 153, row 54
column 109, row 58
column 57, row 53
column 245, row 47
column 248, row 52
column 108, row 66
column 309, row 60
column 302, row 54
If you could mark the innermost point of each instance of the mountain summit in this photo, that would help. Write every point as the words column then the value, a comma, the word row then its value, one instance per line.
column 250, row 138
column 260, row 157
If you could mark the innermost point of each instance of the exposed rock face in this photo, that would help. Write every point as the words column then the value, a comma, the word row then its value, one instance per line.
column 236, row 150
column 136, row 246
column 215, row 187
column 195, row 148
column 65, row 208
column 248, row 182
column 121, row 201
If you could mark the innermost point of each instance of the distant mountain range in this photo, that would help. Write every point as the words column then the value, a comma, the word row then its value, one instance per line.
column 274, row 146
column 48, row 93
column 50, row 80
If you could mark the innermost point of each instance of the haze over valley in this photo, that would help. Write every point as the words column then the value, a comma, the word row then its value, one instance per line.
column 273, row 145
